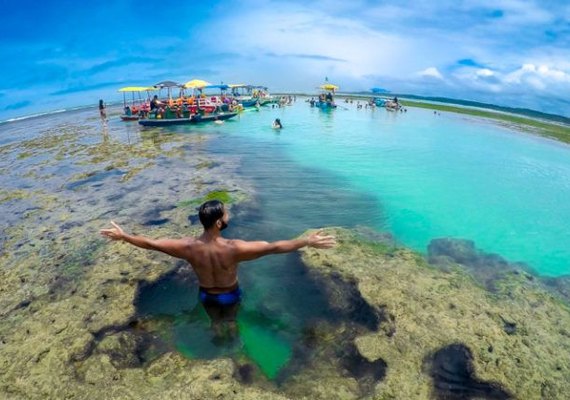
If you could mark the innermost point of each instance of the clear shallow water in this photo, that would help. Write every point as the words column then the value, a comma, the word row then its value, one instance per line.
column 437, row 176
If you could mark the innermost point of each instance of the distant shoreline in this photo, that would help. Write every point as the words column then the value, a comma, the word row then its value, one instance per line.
column 543, row 128
column 550, row 129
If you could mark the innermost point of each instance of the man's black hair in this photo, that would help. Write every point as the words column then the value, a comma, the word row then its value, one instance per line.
column 210, row 212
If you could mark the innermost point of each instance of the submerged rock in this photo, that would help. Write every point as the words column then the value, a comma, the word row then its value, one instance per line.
column 451, row 369
column 367, row 373
column 487, row 268
column 560, row 285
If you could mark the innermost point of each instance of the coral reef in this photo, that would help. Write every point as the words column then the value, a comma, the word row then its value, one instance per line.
column 517, row 337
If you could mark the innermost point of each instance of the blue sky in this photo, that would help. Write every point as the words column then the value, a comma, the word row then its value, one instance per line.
column 59, row 54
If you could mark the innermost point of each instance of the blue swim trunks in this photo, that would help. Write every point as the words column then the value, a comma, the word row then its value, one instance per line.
column 224, row 299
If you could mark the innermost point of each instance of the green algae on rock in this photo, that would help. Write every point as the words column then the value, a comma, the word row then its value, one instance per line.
column 6, row 195
column 517, row 339
column 221, row 195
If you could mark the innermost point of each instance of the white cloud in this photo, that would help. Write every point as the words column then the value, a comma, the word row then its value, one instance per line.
column 374, row 53
column 484, row 72
column 527, row 79
column 431, row 72
column 290, row 30
column 539, row 76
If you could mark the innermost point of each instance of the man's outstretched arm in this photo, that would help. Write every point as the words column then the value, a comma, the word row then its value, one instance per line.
column 252, row 250
column 173, row 247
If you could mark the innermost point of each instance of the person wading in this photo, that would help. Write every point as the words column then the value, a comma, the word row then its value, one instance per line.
column 215, row 259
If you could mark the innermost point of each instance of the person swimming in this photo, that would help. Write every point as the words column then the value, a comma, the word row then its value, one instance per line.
column 277, row 124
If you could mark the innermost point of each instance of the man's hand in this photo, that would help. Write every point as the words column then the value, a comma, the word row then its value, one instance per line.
column 320, row 241
column 115, row 233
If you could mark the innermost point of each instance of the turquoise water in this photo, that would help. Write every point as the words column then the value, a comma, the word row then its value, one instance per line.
column 436, row 176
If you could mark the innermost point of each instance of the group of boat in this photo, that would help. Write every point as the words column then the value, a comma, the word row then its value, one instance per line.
column 326, row 101
column 194, row 102
column 198, row 101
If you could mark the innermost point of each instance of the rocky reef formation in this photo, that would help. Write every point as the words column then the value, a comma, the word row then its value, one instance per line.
column 419, row 332
column 444, row 335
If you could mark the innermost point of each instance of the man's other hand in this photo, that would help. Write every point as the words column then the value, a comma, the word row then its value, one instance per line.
column 115, row 233
column 320, row 241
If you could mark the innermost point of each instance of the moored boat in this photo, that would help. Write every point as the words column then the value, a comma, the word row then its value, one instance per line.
column 326, row 99
column 378, row 102
column 136, row 108
column 249, row 102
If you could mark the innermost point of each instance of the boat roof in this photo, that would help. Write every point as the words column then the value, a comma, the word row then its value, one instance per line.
column 136, row 89
column 222, row 87
column 166, row 84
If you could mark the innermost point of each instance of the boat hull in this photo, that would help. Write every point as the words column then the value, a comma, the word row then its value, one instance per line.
column 379, row 102
column 249, row 102
column 130, row 117
column 325, row 105
column 186, row 121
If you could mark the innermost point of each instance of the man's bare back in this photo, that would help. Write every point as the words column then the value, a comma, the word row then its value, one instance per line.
column 215, row 259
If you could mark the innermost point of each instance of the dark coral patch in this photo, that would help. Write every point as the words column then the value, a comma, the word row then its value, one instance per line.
column 346, row 302
column 487, row 268
column 367, row 373
column 451, row 369
column 245, row 373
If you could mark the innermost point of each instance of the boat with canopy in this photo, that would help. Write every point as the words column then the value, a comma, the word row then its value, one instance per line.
column 326, row 98
column 138, row 105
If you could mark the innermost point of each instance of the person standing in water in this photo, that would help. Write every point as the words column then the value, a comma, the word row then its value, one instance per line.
column 215, row 259
column 102, row 110
column 277, row 124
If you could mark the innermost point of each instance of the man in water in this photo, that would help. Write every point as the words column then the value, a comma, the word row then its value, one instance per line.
column 215, row 259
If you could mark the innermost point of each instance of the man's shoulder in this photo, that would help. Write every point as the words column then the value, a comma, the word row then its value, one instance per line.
column 234, row 242
column 190, row 241
column 238, row 245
